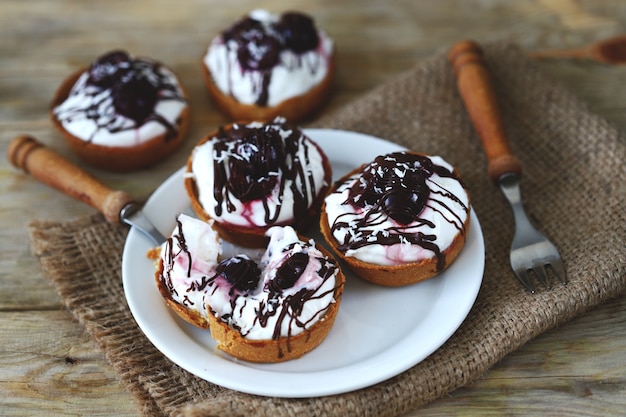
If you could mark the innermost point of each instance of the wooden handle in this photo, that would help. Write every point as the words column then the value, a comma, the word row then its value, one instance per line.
column 477, row 91
column 47, row 166
column 562, row 53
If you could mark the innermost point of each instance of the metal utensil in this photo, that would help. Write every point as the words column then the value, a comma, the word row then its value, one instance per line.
column 530, row 250
column 47, row 166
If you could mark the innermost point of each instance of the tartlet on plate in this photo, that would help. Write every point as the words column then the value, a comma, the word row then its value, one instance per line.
column 401, row 219
column 248, row 177
column 274, row 309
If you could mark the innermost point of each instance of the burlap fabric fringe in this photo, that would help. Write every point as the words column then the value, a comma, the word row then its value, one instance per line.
column 574, row 190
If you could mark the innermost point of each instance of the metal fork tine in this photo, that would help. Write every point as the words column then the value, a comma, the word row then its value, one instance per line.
column 559, row 270
column 522, row 276
column 540, row 272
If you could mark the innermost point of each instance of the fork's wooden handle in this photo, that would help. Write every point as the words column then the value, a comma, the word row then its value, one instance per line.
column 47, row 166
column 476, row 89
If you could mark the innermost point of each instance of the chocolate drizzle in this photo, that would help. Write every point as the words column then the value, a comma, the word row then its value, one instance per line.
column 255, row 163
column 258, row 44
column 398, row 187
column 169, row 257
column 117, row 85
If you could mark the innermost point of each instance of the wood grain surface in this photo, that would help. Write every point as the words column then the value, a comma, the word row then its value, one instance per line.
column 49, row 366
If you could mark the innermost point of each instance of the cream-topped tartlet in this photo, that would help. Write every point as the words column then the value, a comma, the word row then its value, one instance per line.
column 269, row 65
column 250, row 177
column 401, row 219
column 122, row 113
column 269, row 310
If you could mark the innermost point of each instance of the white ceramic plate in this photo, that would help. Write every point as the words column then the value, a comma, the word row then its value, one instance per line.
column 378, row 333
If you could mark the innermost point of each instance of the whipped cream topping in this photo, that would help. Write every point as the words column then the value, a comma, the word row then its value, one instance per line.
column 293, row 74
column 400, row 208
column 258, row 174
column 141, row 100
column 285, row 293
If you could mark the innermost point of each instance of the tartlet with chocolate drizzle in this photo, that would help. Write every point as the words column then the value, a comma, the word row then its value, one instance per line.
column 248, row 177
column 122, row 113
column 266, row 310
column 267, row 65
column 401, row 219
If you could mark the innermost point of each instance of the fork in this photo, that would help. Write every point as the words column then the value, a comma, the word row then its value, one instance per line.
column 531, row 252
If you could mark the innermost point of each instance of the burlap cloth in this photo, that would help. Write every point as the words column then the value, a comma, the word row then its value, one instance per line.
column 574, row 189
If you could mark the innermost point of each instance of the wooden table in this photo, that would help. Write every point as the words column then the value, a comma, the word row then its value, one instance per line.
column 49, row 366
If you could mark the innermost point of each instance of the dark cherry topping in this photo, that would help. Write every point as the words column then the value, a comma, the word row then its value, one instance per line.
column 298, row 32
column 245, row 25
column 257, row 48
column 254, row 163
column 135, row 98
column 241, row 272
column 403, row 207
column 289, row 272
column 260, row 53
column 105, row 71
column 398, row 186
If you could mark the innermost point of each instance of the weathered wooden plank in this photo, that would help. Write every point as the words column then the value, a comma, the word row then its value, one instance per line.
column 48, row 366
column 47, row 361
column 576, row 370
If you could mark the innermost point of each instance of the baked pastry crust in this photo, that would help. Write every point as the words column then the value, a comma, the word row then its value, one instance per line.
column 254, row 237
column 394, row 275
column 119, row 158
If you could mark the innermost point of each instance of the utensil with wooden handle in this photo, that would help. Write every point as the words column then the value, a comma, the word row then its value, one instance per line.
column 118, row 207
column 530, row 250
column 608, row 51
